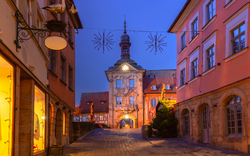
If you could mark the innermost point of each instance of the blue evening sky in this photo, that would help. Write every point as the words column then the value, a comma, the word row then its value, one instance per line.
column 141, row 15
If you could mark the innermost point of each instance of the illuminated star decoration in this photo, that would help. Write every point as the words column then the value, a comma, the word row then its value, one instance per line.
column 103, row 41
column 156, row 42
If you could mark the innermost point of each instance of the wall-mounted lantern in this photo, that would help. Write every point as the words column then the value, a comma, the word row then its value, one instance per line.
column 24, row 32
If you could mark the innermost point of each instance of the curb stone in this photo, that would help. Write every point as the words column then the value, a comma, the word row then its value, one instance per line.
column 80, row 138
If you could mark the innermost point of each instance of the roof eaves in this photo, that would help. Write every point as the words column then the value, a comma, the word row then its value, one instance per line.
column 179, row 15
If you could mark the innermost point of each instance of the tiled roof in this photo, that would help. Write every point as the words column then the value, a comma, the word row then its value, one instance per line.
column 96, row 98
column 159, row 77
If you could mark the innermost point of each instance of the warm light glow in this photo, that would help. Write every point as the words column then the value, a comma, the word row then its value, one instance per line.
column 39, row 124
column 126, row 116
column 6, row 107
column 64, row 123
column 125, row 68
column 55, row 42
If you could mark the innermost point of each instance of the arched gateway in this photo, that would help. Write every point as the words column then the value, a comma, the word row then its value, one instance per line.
column 126, row 121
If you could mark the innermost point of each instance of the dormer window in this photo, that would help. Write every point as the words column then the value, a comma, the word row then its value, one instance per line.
column 102, row 102
column 125, row 50
column 151, row 76
column 168, row 87
column 153, row 87
column 88, row 102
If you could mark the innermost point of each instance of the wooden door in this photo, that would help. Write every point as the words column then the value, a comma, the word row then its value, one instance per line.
column 206, row 124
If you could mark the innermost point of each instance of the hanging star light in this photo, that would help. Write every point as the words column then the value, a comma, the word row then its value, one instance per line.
column 103, row 41
column 156, row 42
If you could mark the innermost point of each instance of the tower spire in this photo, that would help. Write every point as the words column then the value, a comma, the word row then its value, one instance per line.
column 125, row 31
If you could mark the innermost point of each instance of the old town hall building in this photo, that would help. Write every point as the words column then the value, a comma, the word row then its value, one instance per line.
column 133, row 92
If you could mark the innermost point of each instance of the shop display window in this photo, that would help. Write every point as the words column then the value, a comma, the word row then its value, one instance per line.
column 39, row 121
column 6, row 107
column 64, row 123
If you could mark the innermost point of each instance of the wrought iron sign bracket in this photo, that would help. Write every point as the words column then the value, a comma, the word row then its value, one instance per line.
column 25, row 32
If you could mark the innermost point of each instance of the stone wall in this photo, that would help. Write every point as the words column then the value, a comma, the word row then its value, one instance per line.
column 217, row 101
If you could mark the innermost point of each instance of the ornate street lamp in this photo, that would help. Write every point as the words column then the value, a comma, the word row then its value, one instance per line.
column 24, row 32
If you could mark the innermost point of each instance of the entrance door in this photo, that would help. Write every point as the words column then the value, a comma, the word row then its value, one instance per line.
column 206, row 124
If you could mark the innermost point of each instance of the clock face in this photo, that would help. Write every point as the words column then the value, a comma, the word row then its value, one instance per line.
column 125, row 68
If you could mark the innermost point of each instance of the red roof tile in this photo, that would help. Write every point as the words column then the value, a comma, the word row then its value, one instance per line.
column 96, row 98
column 160, row 77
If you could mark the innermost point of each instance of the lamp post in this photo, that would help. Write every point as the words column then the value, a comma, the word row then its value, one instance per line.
column 24, row 32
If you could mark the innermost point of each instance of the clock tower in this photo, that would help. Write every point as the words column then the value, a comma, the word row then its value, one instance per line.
column 125, row 89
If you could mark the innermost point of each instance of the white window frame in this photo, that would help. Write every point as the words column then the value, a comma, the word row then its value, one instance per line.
column 190, row 26
column 205, row 18
column 182, row 66
column 132, row 100
column 240, row 17
column 117, row 99
column 117, row 83
column 84, row 117
column 180, row 40
column 193, row 56
column 206, row 45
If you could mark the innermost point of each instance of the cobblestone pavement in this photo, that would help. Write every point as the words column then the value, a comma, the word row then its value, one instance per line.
column 106, row 142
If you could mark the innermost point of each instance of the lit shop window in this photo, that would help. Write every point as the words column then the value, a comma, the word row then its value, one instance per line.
column 64, row 123
column 39, row 121
column 6, row 107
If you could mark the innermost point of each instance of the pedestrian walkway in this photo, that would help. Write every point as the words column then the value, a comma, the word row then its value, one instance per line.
column 128, row 142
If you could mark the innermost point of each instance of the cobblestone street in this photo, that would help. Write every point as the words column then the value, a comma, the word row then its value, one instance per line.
column 114, row 142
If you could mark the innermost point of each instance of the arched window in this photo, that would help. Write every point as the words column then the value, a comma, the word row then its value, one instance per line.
column 64, row 123
column 234, row 116
column 186, row 122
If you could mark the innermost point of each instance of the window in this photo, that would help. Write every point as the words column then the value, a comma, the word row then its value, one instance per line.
column 234, row 116
column 53, row 61
column 39, row 26
column 210, row 57
column 88, row 103
column 29, row 13
column 119, row 83
column 194, row 66
column 63, row 68
column 125, row 50
column 70, row 77
column 70, row 37
column 186, row 122
column 182, row 77
column 236, row 28
column 183, row 41
column 131, row 83
column 168, row 87
column 153, row 102
column 210, row 7
column 64, row 123
column 132, row 100
column 151, row 76
column 118, row 100
column 101, row 117
column 102, row 102
column 84, row 118
column 194, row 28
column 238, row 38
column 39, row 120
column 153, row 87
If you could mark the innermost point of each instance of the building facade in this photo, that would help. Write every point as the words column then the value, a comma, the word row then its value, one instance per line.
column 156, row 82
column 213, row 86
column 24, row 95
column 100, row 110
column 133, row 92
column 61, row 76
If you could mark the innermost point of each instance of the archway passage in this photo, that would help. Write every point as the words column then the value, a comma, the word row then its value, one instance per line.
column 59, row 127
column 126, row 123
